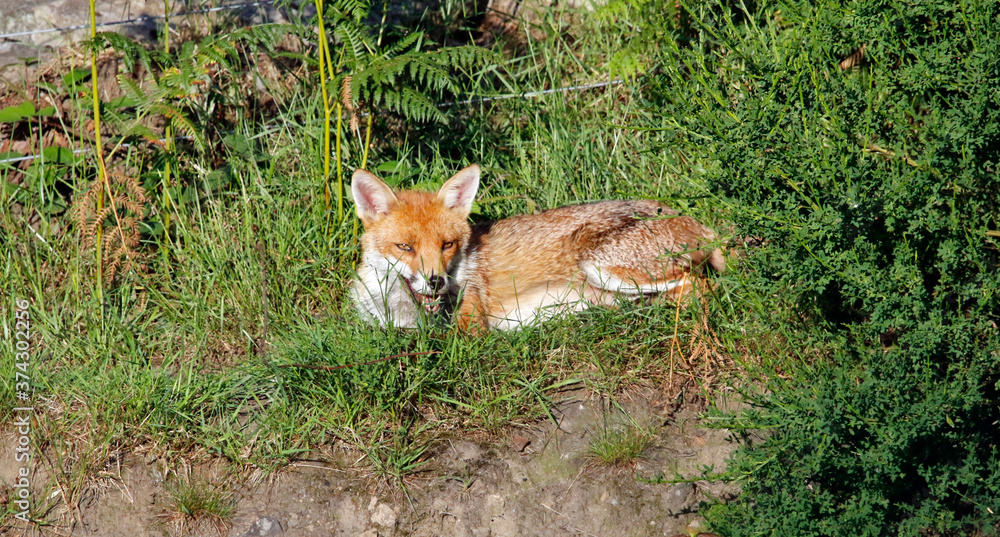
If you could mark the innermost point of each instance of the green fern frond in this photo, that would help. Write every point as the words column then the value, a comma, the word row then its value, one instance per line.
column 413, row 104
column 131, row 88
column 400, row 77
column 402, row 45
column 357, row 9
column 131, row 51
column 348, row 10
column 142, row 131
column 217, row 50
column 181, row 122
column 266, row 35
column 404, row 79
column 356, row 42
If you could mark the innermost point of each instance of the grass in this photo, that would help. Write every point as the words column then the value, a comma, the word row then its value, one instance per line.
column 214, row 342
column 619, row 446
column 194, row 504
column 201, row 347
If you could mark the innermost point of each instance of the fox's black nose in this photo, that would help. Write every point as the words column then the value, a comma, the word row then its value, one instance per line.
column 437, row 283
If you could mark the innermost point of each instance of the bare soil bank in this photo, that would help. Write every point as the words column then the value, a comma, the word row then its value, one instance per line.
column 537, row 480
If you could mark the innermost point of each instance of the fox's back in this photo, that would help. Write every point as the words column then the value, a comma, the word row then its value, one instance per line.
column 572, row 220
column 532, row 261
column 559, row 238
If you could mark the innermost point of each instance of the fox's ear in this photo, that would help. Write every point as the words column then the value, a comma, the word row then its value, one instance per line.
column 459, row 192
column 372, row 198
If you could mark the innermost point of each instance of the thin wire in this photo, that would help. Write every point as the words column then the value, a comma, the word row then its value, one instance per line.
column 138, row 19
column 33, row 157
column 532, row 93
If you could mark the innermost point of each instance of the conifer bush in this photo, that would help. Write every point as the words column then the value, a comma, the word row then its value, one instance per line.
column 857, row 143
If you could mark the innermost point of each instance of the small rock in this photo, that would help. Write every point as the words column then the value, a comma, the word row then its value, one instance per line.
column 265, row 526
column 694, row 527
column 677, row 498
column 468, row 451
column 384, row 516
column 520, row 442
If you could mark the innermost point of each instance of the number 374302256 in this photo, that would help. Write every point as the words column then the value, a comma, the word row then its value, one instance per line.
column 22, row 347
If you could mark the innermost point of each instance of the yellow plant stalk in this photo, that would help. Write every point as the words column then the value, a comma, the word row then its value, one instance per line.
column 168, row 136
column 323, row 64
column 102, row 174
column 103, row 185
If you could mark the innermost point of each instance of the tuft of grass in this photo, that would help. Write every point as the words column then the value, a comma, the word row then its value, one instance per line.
column 619, row 446
column 195, row 504
column 395, row 457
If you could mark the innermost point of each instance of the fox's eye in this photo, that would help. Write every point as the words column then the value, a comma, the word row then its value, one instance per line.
column 405, row 247
column 447, row 245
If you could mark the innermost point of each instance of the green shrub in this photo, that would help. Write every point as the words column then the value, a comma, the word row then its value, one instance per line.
column 874, row 195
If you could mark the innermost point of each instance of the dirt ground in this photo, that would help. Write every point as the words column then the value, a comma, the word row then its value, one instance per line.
column 535, row 480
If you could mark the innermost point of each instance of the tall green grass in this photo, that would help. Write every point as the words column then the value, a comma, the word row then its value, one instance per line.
column 215, row 343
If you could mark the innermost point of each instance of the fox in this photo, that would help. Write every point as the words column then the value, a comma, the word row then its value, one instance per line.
column 421, row 258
